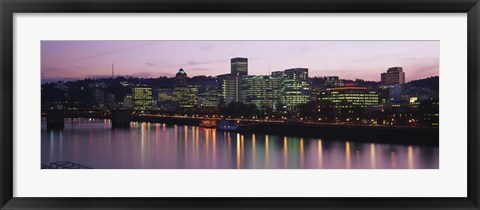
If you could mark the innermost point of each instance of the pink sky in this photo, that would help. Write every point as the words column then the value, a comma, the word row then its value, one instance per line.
column 348, row 59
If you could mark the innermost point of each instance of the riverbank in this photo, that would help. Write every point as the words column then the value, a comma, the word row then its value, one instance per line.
column 363, row 133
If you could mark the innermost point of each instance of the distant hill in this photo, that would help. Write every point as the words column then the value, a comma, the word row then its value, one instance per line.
column 432, row 83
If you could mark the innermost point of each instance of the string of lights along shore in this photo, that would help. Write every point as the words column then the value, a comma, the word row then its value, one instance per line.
column 289, row 94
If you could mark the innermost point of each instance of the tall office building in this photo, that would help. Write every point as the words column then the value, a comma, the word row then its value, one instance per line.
column 186, row 95
column 209, row 96
column 166, row 99
column 394, row 75
column 239, row 66
column 294, row 87
column 263, row 91
column 142, row 98
column 230, row 88
column 233, row 85
column 181, row 78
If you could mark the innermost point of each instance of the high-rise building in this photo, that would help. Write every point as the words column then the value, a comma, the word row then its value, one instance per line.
column 166, row 99
column 142, row 98
column 294, row 87
column 185, row 94
column 233, row 85
column 239, row 66
column 394, row 75
column 263, row 91
column 187, row 97
column 209, row 94
column 230, row 88
column 181, row 78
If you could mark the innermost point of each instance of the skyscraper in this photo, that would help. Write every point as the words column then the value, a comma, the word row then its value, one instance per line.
column 181, row 78
column 239, row 66
column 186, row 95
column 233, row 84
column 294, row 87
column 230, row 88
column 209, row 96
column 394, row 75
column 262, row 91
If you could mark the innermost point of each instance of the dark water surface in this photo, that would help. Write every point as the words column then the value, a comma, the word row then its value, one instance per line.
column 159, row 146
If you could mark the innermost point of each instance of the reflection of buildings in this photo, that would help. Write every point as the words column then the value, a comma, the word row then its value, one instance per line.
column 142, row 98
column 394, row 75
column 262, row 91
column 294, row 87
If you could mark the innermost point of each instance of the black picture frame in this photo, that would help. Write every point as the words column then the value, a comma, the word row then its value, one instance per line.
column 10, row 7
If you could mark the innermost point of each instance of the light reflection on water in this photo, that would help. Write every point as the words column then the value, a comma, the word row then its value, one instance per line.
column 158, row 146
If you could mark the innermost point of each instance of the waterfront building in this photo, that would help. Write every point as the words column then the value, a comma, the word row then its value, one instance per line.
column 166, row 99
column 142, row 98
column 230, row 88
column 263, row 91
column 396, row 93
column 239, row 66
column 233, row 87
column 430, row 111
column 187, row 97
column 294, row 87
column 128, row 101
column 209, row 94
column 98, row 97
column 185, row 94
column 414, row 102
column 350, row 97
column 394, row 75
column 110, row 100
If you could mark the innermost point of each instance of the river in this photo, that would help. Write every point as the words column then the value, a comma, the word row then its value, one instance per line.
column 93, row 143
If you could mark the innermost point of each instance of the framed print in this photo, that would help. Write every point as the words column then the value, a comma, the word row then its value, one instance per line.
column 239, row 105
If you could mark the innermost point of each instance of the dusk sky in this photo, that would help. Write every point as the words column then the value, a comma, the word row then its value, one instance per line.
column 68, row 60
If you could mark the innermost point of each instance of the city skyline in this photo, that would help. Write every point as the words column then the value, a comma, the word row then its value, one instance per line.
column 73, row 60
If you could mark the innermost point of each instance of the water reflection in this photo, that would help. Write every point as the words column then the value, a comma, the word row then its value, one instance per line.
column 155, row 145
